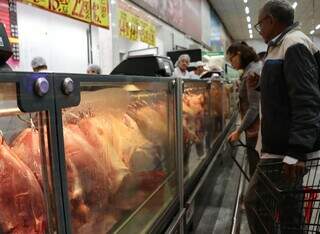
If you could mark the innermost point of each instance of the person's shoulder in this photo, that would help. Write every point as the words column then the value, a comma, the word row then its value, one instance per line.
column 298, row 38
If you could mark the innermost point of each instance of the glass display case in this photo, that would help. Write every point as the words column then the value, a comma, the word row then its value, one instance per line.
column 195, row 119
column 119, row 148
column 29, row 173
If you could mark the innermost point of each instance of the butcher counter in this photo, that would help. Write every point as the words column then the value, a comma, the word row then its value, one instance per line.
column 106, row 154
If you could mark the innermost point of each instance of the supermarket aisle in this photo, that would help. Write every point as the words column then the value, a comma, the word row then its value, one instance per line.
column 218, row 214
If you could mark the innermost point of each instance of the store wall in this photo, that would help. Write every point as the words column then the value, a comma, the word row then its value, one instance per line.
column 258, row 45
column 62, row 41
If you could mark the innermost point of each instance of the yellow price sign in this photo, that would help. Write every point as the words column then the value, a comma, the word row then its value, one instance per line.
column 100, row 12
column 39, row 3
column 79, row 9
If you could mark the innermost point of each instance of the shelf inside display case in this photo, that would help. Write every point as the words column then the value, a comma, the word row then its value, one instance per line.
column 119, row 145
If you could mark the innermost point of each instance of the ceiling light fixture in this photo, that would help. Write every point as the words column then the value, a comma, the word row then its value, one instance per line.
column 250, row 31
column 248, row 19
column 294, row 5
column 245, row 1
column 249, row 26
column 247, row 10
column 312, row 32
column 251, row 36
column 318, row 27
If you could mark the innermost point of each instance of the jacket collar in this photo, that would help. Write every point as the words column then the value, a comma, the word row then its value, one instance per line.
column 278, row 39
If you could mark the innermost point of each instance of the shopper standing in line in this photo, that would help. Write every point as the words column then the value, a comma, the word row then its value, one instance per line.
column 290, row 113
column 182, row 64
column 243, row 57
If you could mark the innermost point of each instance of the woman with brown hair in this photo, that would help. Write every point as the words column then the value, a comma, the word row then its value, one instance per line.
column 243, row 57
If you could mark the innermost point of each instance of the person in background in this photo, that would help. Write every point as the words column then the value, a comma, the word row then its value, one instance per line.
column 39, row 64
column 243, row 57
column 290, row 117
column 94, row 69
column 198, row 71
column 182, row 64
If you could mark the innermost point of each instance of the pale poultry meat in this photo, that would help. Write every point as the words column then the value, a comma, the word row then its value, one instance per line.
column 21, row 198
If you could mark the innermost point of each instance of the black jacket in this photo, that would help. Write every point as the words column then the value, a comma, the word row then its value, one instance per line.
column 290, row 96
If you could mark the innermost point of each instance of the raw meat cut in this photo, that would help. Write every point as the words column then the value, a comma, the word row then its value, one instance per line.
column 21, row 199
column 26, row 146
column 152, row 124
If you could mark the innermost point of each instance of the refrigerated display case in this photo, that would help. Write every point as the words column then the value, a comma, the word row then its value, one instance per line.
column 119, row 144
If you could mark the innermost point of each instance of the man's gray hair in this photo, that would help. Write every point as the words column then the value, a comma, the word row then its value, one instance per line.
column 280, row 10
column 181, row 57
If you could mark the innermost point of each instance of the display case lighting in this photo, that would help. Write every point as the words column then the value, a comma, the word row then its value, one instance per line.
column 294, row 5
column 247, row 10
column 248, row 19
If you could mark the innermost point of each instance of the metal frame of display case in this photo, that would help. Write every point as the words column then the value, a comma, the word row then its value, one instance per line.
column 28, row 101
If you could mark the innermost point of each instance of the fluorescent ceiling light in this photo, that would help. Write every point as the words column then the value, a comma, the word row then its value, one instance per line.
column 251, row 36
column 312, row 32
column 249, row 26
column 245, row 1
column 294, row 5
column 248, row 19
column 318, row 27
column 250, row 31
column 247, row 10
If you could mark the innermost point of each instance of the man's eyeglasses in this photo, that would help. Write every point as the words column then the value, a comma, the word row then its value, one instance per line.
column 257, row 26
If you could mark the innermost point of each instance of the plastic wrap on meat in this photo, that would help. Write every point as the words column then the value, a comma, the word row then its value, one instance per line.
column 150, row 121
column 98, row 132
column 26, row 146
column 21, row 199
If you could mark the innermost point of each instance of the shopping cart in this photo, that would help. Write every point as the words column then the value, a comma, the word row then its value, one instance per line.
column 283, row 207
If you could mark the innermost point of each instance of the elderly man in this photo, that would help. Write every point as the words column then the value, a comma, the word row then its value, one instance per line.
column 290, row 120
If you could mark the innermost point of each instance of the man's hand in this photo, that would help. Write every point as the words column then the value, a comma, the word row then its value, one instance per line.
column 234, row 136
column 293, row 171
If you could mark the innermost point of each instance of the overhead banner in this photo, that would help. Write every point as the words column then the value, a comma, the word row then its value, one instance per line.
column 135, row 28
column 100, row 12
column 79, row 9
column 90, row 11
column 182, row 14
column 39, row 3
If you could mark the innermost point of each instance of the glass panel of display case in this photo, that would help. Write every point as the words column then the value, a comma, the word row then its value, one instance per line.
column 217, row 109
column 120, row 160
column 25, row 173
column 195, row 111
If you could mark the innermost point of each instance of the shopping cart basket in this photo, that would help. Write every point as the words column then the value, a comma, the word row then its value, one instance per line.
column 288, row 208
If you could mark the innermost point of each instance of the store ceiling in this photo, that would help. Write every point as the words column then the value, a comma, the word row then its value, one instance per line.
column 232, row 13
